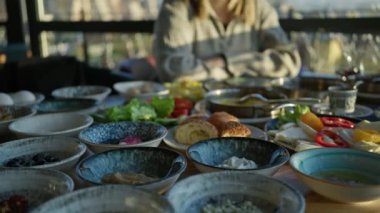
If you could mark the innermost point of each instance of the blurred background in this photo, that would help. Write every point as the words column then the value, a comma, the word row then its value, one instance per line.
column 117, row 34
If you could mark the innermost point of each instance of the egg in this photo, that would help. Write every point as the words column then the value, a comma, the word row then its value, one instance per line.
column 5, row 99
column 23, row 96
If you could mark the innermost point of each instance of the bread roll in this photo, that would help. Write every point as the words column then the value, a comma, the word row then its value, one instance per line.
column 218, row 119
column 194, row 130
column 234, row 129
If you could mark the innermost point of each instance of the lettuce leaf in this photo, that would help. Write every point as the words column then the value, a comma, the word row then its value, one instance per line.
column 163, row 106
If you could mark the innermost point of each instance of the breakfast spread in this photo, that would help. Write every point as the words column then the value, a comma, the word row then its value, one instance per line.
column 219, row 124
column 238, row 163
column 14, row 204
column 131, row 140
column 126, row 178
column 231, row 206
column 5, row 114
column 32, row 160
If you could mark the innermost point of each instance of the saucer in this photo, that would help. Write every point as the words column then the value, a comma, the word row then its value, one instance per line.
column 360, row 111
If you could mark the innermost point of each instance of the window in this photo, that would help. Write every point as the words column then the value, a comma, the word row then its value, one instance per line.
column 326, row 8
column 3, row 11
column 98, row 10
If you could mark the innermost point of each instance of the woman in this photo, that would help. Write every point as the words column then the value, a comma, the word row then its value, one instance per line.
column 218, row 39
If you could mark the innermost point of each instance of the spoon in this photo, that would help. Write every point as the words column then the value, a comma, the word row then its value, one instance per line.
column 281, row 100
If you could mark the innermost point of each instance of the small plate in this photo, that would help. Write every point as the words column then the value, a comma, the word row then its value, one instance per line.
column 200, row 107
column 171, row 141
column 360, row 111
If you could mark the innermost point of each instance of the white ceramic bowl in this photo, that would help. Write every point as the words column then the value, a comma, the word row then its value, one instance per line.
column 16, row 113
column 62, row 124
column 143, row 90
column 267, row 194
column 103, row 137
column 341, row 174
column 108, row 198
column 67, row 149
column 36, row 185
column 98, row 93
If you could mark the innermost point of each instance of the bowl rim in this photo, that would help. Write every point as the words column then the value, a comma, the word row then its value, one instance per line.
column 334, row 150
column 163, row 90
column 31, row 112
column 82, row 149
column 88, row 120
column 233, row 169
column 89, row 104
column 116, row 187
column 105, row 91
column 90, row 143
column 297, row 193
column 153, row 149
column 56, row 173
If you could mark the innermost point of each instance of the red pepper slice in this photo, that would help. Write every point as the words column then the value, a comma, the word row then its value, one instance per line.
column 337, row 122
column 179, row 112
column 337, row 141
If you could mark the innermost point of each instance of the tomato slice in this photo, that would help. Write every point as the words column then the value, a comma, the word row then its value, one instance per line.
column 328, row 138
column 337, row 122
column 179, row 112
column 182, row 103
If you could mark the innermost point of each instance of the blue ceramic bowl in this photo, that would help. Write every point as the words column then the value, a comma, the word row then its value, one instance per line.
column 85, row 106
column 344, row 175
column 36, row 185
column 98, row 93
column 207, row 154
column 164, row 165
column 267, row 194
column 103, row 137
column 109, row 198
column 67, row 149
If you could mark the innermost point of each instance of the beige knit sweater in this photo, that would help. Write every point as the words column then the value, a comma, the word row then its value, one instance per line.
column 182, row 42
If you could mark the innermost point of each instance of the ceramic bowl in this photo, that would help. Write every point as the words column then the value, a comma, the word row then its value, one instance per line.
column 208, row 154
column 108, row 198
column 21, row 102
column 98, row 93
column 15, row 114
column 103, row 137
column 36, row 185
column 344, row 175
column 68, row 150
column 164, row 165
column 62, row 124
column 83, row 106
column 267, row 194
column 143, row 90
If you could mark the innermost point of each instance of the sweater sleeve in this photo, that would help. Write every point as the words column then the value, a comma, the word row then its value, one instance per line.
column 276, row 56
column 173, row 39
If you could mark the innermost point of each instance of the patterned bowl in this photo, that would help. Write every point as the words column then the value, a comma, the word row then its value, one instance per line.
column 103, row 137
column 36, row 185
column 208, row 154
column 66, row 150
column 108, row 198
column 163, row 165
column 15, row 113
column 98, row 93
column 344, row 175
column 259, row 192
column 51, row 124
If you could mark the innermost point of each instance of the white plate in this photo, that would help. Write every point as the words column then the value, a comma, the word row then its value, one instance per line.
column 200, row 107
column 171, row 141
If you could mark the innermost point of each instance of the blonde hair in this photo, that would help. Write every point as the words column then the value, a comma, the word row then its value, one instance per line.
column 244, row 9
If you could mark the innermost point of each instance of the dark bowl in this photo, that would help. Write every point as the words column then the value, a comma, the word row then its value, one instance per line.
column 164, row 165
column 215, row 103
column 67, row 105
column 207, row 154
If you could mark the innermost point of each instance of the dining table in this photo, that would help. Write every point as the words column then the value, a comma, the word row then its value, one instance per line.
column 315, row 203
